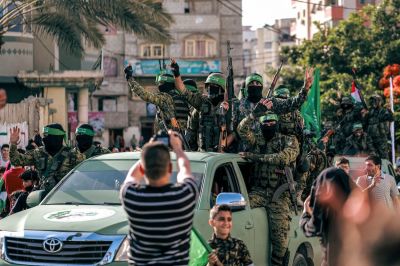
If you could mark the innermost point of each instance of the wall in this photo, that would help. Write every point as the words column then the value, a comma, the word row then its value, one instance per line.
column 59, row 104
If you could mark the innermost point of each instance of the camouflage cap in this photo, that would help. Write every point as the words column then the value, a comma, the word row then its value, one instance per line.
column 268, row 117
column 254, row 77
column 216, row 79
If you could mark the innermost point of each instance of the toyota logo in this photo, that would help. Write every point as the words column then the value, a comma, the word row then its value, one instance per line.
column 52, row 245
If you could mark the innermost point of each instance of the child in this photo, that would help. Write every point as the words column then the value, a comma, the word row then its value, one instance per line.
column 227, row 250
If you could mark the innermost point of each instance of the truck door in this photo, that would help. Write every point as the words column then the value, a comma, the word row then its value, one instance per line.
column 226, row 180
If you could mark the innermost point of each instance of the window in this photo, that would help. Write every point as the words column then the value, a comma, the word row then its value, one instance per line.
column 200, row 46
column 224, row 181
column 152, row 50
column 247, row 171
column 268, row 45
column 107, row 104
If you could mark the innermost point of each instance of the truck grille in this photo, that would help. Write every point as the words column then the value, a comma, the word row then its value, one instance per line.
column 72, row 252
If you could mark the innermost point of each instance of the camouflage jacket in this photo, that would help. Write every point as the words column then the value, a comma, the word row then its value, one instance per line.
column 283, row 106
column 231, row 252
column 241, row 109
column 361, row 145
column 51, row 169
column 92, row 151
column 162, row 100
column 377, row 121
column 271, row 157
column 206, row 123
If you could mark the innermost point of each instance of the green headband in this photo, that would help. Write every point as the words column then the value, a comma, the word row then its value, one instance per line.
column 53, row 131
column 254, row 77
column 191, row 88
column 84, row 131
column 217, row 80
column 269, row 117
column 165, row 79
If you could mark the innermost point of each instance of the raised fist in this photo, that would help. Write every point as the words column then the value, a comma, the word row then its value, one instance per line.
column 128, row 72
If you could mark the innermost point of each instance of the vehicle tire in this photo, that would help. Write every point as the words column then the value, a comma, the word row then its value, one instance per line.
column 300, row 260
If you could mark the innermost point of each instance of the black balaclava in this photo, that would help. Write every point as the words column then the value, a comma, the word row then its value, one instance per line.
column 166, row 87
column 84, row 140
column 53, row 143
column 269, row 131
column 214, row 94
column 254, row 93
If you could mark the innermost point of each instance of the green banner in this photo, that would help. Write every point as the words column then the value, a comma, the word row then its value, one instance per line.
column 311, row 109
column 199, row 250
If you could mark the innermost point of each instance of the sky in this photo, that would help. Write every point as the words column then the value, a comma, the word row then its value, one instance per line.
column 257, row 13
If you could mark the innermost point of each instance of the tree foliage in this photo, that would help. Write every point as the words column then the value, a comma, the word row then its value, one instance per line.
column 368, row 41
column 76, row 22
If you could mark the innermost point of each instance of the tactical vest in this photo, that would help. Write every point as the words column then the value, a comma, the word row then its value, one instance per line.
column 270, row 176
column 47, row 172
column 292, row 124
column 208, row 127
column 182, row 109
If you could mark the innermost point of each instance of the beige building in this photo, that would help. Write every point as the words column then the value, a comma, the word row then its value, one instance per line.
column 326, row 12
column 261, row 47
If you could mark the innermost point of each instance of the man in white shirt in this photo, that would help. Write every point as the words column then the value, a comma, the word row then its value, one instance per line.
column 5, row 155
column 382, row 187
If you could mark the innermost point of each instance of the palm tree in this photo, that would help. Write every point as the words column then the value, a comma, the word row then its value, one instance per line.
column 76, row 22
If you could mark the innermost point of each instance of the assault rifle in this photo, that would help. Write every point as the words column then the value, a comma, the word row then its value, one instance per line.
column 229, row 95
column 274, row 81
column 289, row 185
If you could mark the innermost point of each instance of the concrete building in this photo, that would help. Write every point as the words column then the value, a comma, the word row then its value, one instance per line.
column 35, row 65
column 200, row 33
column 326, row 12
column 261, row 47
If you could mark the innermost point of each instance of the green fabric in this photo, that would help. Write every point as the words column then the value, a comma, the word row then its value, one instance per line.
column 199, row 250
column 311, row 110
column 84, row 131
column 191, row 88
column 253, row 77
column 3, row 195
column 268, row 117
column 3, row 133
column 53, row 131
column 164, row 78
column 284, row 92
column 217, row 79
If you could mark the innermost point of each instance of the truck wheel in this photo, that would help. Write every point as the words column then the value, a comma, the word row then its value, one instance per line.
column 300, row 260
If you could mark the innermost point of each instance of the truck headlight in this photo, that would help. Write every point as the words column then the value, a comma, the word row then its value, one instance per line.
column 122, row 254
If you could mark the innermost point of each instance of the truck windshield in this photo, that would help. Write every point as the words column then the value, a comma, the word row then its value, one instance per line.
column 98, row 182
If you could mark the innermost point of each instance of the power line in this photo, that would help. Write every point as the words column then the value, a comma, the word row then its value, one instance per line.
column 326, row 5
column 230, row 8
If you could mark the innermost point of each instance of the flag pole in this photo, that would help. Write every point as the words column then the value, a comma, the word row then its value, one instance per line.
column 392, row 123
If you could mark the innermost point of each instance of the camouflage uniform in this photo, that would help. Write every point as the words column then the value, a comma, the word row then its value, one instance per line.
column 358, row 143
column 346, row 118
column 271, row 157
column 92, row 151
column 378, row 120
column 166, row 102
column 210, row 117
column 51, row 171
column 244, row 107
column 231, row 251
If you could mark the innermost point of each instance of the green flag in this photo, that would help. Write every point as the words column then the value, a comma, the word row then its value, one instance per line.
column 199, row 249
column 311, row 110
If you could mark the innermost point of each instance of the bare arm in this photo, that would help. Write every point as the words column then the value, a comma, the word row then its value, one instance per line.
column 182, row 161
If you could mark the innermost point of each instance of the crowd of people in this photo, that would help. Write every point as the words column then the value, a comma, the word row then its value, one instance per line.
column 269, row 132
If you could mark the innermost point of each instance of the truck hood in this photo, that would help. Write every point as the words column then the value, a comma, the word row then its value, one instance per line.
column 107, row 220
